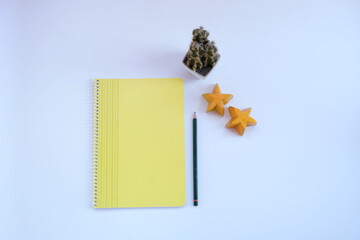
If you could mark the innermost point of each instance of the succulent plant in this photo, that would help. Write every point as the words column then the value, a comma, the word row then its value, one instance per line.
column 193, row 56
column 200, row 35
column 210, row 56
column 202, row 52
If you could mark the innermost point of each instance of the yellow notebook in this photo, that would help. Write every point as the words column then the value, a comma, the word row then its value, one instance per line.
column 139, row 148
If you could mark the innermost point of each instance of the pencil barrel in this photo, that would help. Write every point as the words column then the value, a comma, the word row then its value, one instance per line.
column 195, row 162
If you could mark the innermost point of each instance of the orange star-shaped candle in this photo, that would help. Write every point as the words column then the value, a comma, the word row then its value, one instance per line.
column 217, row 100
column 240, row 119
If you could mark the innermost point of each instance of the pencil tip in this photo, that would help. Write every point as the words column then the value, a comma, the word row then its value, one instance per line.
column 194, row 114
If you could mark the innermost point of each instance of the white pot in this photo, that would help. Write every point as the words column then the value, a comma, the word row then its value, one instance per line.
column 196, row 74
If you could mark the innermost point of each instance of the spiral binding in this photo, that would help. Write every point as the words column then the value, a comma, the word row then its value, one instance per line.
column 96, row 143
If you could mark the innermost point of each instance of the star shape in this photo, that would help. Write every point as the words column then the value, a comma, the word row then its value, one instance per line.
column 240, row 119
column 217, row 100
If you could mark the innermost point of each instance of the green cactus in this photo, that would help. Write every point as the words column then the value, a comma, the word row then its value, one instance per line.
column 210, row 56
column 193, row 56
column 202, row 52
column 200, row 35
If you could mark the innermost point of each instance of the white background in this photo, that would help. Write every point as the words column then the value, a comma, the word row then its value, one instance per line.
column 296, row 63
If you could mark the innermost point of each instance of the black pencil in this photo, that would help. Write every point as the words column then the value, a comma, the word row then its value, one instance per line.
column 195, row 160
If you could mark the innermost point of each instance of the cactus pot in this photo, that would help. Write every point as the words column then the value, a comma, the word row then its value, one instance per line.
column 201, row 73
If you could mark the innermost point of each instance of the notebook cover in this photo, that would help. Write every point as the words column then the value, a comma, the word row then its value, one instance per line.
column 139, row 143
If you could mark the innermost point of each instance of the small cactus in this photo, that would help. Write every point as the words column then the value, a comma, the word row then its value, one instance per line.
column 210, row 56
column 202, row 52
column 200, row 35
column 193, row 56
